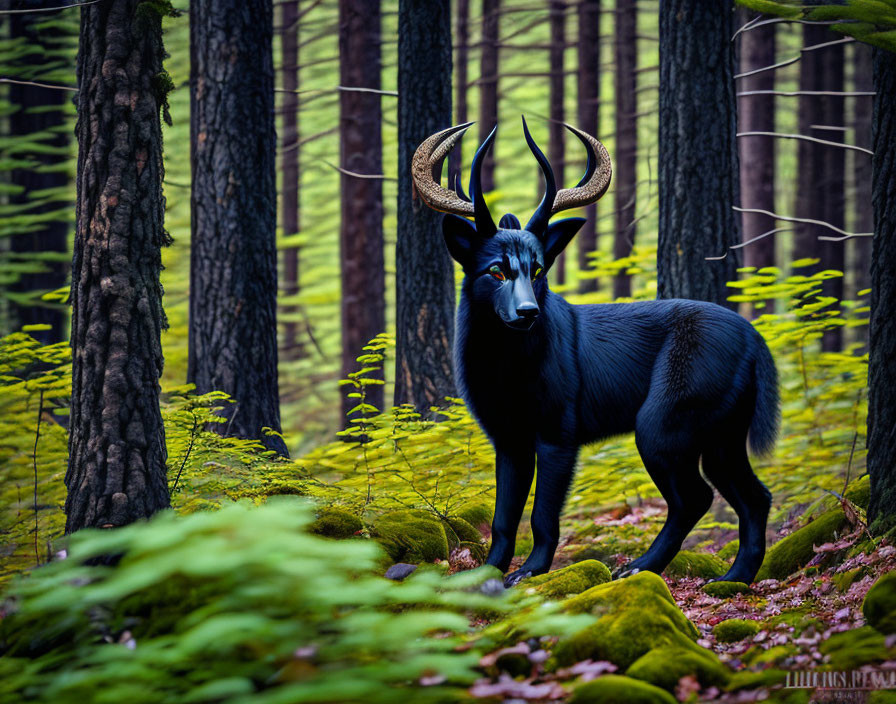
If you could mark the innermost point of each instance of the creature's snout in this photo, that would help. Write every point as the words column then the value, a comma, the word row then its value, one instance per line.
column 524, row 305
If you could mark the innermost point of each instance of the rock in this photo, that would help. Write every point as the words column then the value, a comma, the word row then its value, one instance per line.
column 725, row 590
column 478, row 551
column 573, row 579
column 464, row 531
column 492, row 587
column 616, row 689
column 664, row 667
column 879, row 606
column 400, row 571
column 859, row 492
column 333, row 522
column 789, row 554
column 411, row 536
column 696, row 564
column 735, row 629
column 636, row 614
column 478, row 514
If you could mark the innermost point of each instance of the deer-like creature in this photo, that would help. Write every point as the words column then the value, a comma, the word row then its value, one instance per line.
column 693, row 380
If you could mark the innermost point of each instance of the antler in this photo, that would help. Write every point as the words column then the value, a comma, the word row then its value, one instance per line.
column 427, row 160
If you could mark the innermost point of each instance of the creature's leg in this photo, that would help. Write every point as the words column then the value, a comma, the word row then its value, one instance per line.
column 728, row 468
column 671, row 459
column 513, row 470
column 555, row 470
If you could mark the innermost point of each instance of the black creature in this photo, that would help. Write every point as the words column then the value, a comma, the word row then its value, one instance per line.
column 693, row 380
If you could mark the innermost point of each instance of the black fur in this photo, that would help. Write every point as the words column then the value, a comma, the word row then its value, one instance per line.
column 693, row 380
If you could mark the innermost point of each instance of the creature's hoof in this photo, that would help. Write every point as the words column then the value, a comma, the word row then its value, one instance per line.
column 516, row 577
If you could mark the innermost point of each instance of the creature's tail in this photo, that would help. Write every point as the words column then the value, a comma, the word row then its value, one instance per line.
column 767, row 414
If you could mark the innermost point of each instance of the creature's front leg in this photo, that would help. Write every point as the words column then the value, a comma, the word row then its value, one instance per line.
column 556, row 465
column 514, row 469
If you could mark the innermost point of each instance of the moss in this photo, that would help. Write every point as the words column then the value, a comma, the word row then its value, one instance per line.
column 800, row 618
column 789, row 554
column 879, row 606
column 852, row 649
column 463, row 530
column 478, row 550
column 664, row 667
column 729, row 550
column 757, row 655
column 746, row 679
column 478, row 514
column 843, row 580
column 636, row 614
column 735, row 629
column 696, row 564
column 726, row 590
column 524, row 545
column 335, row 523
column 411, row 536
column 616, row 689
column 573, row 579
column 859, row 492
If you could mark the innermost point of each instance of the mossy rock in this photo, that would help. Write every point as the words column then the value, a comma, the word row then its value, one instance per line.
column 763, row 679
column 729, row 550
column 411, row 536
column 478, row 550
column 573, row 579
column 735, row 629
column 800, row 618
column 852, row 649
column 879, row 606
column 465, row 532
column 688, row 563
column 844, row 580
column 478, row 514
column 789, row 554
column 635, row 615
column 759, row 656
column 283, row 488
column 882, row 696
column 616, row 689
column 335, row 522
column 726, row 590
column 664, row 667
column 859, row 492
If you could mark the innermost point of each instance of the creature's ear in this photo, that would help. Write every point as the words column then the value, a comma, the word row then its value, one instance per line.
column 460, row 234
column 558, row 235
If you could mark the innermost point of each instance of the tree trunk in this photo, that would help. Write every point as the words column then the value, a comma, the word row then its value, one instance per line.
column 424, row 273
column 756, row 113
column 233, row 263
column 882, row 339
column 39, row 111
column 462, row 44
column 116, row 471
column 821, row 168
column 290, row 154
column 626, row 176
column 588, row 117
column 556, row 130
column 361, row 156
column 488, row 85
column 863, row 218
column 698, row 178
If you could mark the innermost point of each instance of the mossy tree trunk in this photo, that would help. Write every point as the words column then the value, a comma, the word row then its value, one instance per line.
column 626, row 171
column 698, row 173
column 116, row 471
column 424, row 272
column 588, row 119
column 882, row 338
column 361, row 158
column 233, row 265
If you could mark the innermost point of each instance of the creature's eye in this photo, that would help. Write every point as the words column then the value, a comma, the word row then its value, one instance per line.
column 537, row 273
column 495, row 271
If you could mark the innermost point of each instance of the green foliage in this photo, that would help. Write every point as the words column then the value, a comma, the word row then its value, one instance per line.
column 218, row 606
column 735, row 629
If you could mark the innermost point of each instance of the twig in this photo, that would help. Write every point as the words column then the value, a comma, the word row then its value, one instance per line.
column 39, row 85
column 750, row 241
column 48, row 9
column 796, row 93
column 187, row 455
column 806, row 139
column 782, row 64
column 40, row 411
column 808, row 221
column 357, row 175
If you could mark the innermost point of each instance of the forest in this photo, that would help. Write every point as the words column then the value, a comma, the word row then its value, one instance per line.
column 244, row 451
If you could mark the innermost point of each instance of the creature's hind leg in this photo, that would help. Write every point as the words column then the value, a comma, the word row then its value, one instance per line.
column 672, row 460
column 727, row 466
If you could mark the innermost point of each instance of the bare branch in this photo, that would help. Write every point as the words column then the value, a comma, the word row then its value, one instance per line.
column 753, row 24
column 354, row 174
column 808, row 221
column 845, row 40
column 806, row 139
column 750, row 241
column 47, row 9
column 39, row 85
column 796, row 93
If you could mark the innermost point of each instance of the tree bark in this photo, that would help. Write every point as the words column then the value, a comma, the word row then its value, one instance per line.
column 820, row 186
column 233, row 262
column 863, row 214
column 116, row 472
column 588, row 117
column 698, row 172
column 488, row 85
column 626, row 176
column 462, row 45
column 882, row 340
column 424, row 272
column 290, row 161
column 39, row 110
column 361, row 155
column 756, row 113
column 557, row 93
